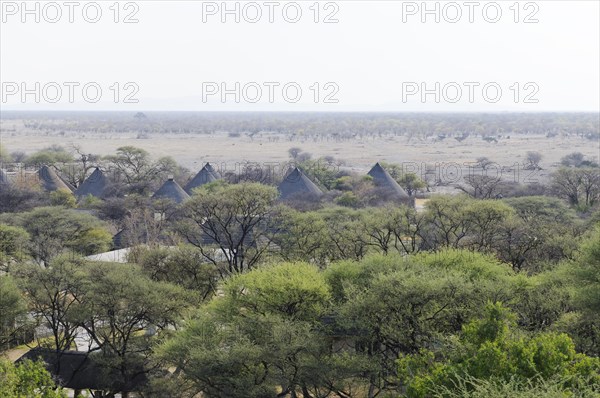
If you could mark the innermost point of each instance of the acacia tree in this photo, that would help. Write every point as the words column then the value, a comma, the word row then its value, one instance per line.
column 461, row 222
column 76, row 172
column 345, row 238
column 298, row 236
column 587, row 294
column 516, row 242
column 53, row 155
column 54, row 297
column 533, row 160
column 483, row 217
column 481, row 186
column 261, row 338
column 411, row 183
column 54, row 230
column 535, row 232
column 137, row 169
column 12, row 310
column 393, row 228
column 13, row 245
column 574, row 159
column 125, row 314
column 395, row 305
column 183, row 266
column 445, row 222
column 579, row 186
column 492, row 349
column 114, row 308
column 15, row 198
column 228, row 223
column 590, row 185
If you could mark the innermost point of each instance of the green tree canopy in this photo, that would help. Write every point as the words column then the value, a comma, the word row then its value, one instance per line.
column 52, row 155
column 228, row 224
column 12, row 310
column 54, row 230
column 138, row 170
column 27, row 379
column 13, row 245
column 259, row 336
column 491, row 348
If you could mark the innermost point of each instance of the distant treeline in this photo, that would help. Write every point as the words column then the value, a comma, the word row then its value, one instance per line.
column 300, row 124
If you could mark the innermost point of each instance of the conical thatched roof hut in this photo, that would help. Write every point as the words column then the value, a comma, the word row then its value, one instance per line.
column 384, row 180
column 296, row 184
column 94, row 185
column 51, row 181
column 172, row 191
column 206, row 175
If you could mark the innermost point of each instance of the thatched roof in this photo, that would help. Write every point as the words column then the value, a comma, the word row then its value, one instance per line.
column 204, row 176
column 51, row 181
column 80, row 371
column 384, row 180
column 296, row 184
column 172, row 191
column 93, row 185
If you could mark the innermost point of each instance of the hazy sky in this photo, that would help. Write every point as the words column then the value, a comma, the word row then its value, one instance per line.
column 378, row 56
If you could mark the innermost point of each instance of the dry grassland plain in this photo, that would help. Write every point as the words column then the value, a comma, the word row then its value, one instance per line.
column 358, row 154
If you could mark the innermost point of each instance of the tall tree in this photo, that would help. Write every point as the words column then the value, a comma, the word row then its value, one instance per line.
column 481, row 186
column 532, row 160
column 54, row 295
column 393, row 305
column 183, row 266
column 54, row 230
column 126, row 314
column 393, row 229
column 579, row 186
column 259, row 338
column 491, row 348
column 12, row 311
column 13, row 245
column 137, row 169
column 298, row 236
column 228, row 223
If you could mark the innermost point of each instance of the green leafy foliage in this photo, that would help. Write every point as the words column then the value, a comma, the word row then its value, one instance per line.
column 410, row 181
column 12, row 309
column 52, row 155
column 63, row 197
column 492, row 349
column 227, row 224
column 53, row 230
column 183, row 266
column 584, row 275
column 258, row 336
column 13, row 245
column 321, row 171
column 27, row 379
column 136, row 167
